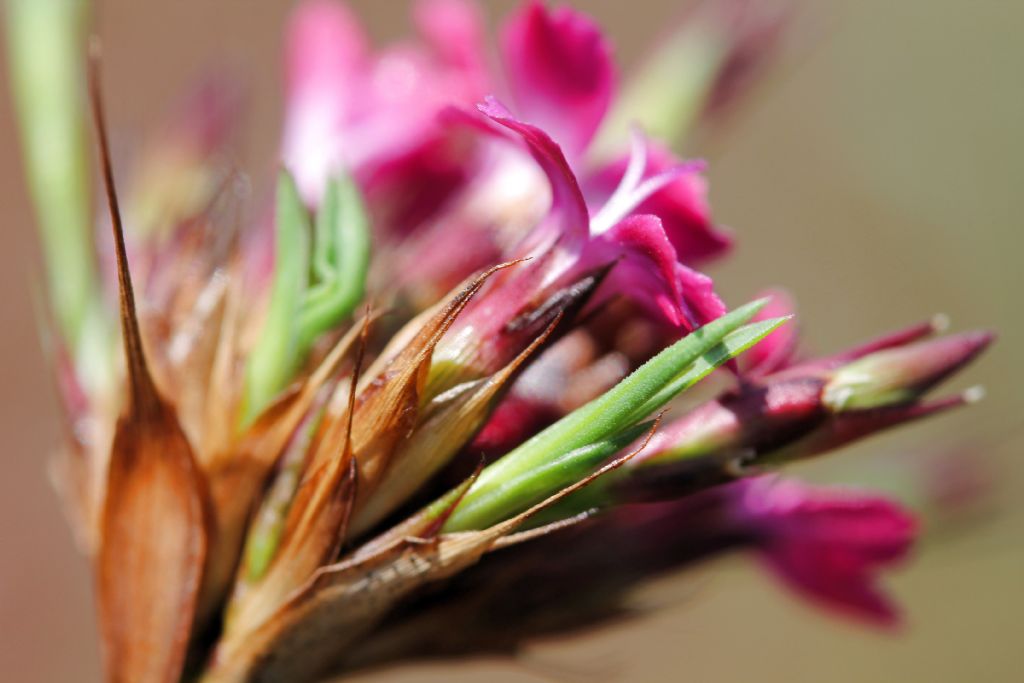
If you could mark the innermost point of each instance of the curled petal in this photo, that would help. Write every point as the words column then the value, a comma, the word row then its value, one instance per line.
column 699, row 299
column 569, row 219
column 647, row 271
column 646, row 266
column 681, row 204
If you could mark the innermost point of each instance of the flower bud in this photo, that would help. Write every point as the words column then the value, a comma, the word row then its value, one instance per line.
column 900, row 375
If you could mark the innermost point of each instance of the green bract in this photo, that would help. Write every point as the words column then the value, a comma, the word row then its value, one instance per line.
column 527, row 473
column 319, row 279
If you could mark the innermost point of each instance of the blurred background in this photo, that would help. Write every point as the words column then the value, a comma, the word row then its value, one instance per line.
column 876, row 172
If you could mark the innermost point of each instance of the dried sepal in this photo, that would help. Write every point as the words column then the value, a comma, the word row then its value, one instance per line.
column 153, row 545
column 191, row 355
column 425, row 524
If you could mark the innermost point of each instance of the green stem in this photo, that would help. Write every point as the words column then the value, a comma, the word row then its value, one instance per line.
column 45, row 51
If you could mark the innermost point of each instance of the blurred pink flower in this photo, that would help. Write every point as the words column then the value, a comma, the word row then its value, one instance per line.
column 349, row 107
column 377, row 115
column 826, row 542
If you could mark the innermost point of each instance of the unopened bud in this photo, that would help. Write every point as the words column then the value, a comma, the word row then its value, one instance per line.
column 900, row 375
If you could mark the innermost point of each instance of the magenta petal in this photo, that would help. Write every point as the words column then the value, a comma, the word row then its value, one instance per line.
column 454, row 29
column 646, row 271
column 833, row 579
column 646, row 266
column 324, row 42
column 410, row 189
column 681, row 205
column 826, row 542
column 702, row 303
column 560, row 72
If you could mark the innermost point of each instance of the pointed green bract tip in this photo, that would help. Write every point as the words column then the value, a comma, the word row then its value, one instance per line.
column 341, row 259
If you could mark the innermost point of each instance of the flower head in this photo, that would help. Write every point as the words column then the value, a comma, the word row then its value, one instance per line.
column 249, row 477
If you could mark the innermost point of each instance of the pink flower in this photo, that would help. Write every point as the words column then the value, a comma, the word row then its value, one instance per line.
column 376, row 115
column 829, row 544
column 631, row 251
column 484, row 186
column 647, row 267
column 682, row 204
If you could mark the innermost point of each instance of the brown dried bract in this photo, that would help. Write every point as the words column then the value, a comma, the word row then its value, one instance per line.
column 153, row 536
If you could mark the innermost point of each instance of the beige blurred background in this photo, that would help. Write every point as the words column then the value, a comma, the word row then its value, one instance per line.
column 876, row 173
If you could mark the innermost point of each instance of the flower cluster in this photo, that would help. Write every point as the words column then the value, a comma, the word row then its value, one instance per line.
column 463, row 328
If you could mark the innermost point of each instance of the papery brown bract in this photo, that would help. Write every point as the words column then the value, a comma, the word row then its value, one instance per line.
column 238, row 474
column 153, row 525
column 341, row 602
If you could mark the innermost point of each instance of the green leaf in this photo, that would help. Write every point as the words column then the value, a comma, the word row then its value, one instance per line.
column 731, row 346
column 617, row 408
column 596, row 495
